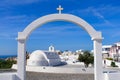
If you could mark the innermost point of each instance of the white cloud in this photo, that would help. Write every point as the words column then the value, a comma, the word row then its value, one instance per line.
column 16, row 17
column 18, row 2
column 101, row 14
column 91, row 11
column 107, row 17
column 109, row 10
column 11, row 25
column 101, row 10
column 9, row 32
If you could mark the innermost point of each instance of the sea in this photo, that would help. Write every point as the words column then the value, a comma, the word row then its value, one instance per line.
column 7, row 56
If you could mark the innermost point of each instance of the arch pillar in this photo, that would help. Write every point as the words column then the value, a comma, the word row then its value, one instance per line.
column 21, row 69
column 98, row 70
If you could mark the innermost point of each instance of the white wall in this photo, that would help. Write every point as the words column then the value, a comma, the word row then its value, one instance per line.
column 112, row 76
column 108, row 63
column 13, row 76
column 118, row 64
column 57, row 69
column 8, row 76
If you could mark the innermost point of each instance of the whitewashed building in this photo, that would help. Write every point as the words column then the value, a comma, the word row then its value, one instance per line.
column 106, row 50
column 44, row 58
column 115, row 51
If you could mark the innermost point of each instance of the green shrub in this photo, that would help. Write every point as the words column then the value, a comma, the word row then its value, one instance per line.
column 87, row 58
column 110, row 59
column 4, row 64
column 113, row 64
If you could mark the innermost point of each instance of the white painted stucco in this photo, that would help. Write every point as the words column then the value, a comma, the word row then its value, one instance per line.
column 111, row 76
column 8, row 76
column 43, row 58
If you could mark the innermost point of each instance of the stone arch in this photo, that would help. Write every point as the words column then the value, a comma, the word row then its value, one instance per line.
column 59, row 17
column 95, row 35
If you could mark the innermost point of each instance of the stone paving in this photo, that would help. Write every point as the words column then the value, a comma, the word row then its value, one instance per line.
column 58, row 76
column 53, row 76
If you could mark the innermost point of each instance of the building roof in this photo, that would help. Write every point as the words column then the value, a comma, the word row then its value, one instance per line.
column 106, row 46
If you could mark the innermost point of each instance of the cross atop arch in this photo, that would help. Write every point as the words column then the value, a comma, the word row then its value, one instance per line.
column 59, row 9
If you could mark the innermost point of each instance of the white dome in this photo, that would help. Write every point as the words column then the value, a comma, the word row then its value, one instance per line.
column 41, row 58
column 37, row 58
column 37, row 55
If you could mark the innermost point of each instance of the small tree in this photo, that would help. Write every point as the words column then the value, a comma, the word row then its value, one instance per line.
column 5, row 64
column 87, row 58
column 27, row 55
column 113, row 64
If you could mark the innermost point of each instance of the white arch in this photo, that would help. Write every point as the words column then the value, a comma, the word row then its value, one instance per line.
column 95, row 35
column 59, row 17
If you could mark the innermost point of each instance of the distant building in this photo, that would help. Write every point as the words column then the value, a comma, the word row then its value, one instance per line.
column 111, row 51
column 81, row 51
column 69, row 57
column 11, row 59
column 115, row 51
column 106, row 51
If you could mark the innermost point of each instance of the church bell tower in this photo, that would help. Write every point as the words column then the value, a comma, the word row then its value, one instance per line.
column 51, row 48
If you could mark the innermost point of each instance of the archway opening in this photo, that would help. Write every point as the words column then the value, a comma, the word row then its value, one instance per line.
column 62, row 35
column 59, row 32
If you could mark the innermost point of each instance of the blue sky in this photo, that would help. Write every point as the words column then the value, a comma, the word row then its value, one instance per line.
column 15, row 15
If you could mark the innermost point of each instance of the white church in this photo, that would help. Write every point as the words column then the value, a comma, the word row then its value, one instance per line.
column 44, row 58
